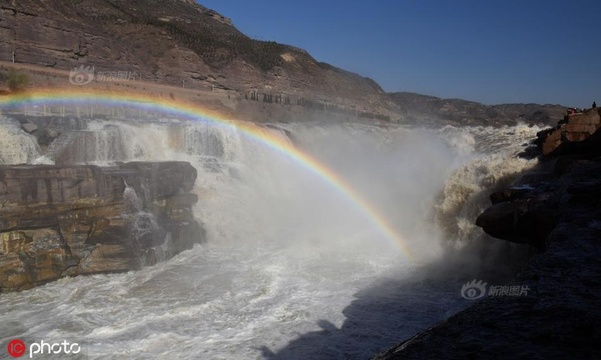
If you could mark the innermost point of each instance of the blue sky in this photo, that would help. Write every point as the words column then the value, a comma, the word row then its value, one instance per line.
column 488, row 51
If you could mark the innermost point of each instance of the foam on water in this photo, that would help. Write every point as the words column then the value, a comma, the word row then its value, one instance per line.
column 488, row 161
column 285, row 258
column 16, row 146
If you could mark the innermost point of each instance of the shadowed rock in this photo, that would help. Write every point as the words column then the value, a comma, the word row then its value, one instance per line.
column 558, row 211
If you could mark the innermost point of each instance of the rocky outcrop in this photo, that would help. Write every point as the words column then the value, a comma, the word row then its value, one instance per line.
column 58, row 221
column 574, row 134
column 528, row 213
column 560, row 316
column 174, row 42
column 567, row 183
column 556, row 208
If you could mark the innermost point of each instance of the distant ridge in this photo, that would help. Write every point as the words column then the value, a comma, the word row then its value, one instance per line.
column 431, row 110
column 180, row 43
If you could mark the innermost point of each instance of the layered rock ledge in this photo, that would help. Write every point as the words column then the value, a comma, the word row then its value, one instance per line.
column 58, row 221
column 577, row 133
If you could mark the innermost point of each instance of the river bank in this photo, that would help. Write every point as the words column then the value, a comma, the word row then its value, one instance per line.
column 556, row 208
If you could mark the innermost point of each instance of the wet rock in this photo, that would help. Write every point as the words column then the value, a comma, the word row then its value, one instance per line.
column 510, row 193
column 58, row 221
column 521, row 221
column 51, row 133
column 47, row 136
column 29, row 127
column 500, row 220
column 527, row 214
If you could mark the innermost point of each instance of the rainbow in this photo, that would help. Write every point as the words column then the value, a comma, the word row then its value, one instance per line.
column 180, row 108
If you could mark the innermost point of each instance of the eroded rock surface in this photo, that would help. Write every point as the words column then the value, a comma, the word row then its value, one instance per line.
column 577, row 133
column 58, row 221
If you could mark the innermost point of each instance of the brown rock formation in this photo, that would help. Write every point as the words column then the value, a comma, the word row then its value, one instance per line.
column 527, row 214
column 175, row 42
column 573, row 134
column 191, row 52
column 58, row 221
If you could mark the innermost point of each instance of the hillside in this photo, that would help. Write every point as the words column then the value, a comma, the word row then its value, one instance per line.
column 192, row 52
column 430, row 110
column 175, row 42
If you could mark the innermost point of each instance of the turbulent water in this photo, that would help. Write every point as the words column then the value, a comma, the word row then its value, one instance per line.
column 292, row 268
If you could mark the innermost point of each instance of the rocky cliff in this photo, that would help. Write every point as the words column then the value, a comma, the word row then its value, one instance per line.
column 177, row 47
column 58, row 221
column 175, row 42
column 566, row 184
column 577, row 133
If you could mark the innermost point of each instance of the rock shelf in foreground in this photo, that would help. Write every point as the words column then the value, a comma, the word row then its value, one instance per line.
column 68, row 220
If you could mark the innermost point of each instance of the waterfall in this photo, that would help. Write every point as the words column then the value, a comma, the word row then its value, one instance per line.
column 287, row 251
column 488, row 160
column 417, row 177
column 17, row 147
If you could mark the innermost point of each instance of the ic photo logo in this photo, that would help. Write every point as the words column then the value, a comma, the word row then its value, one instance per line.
column 81, row 75
column 17, row 348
